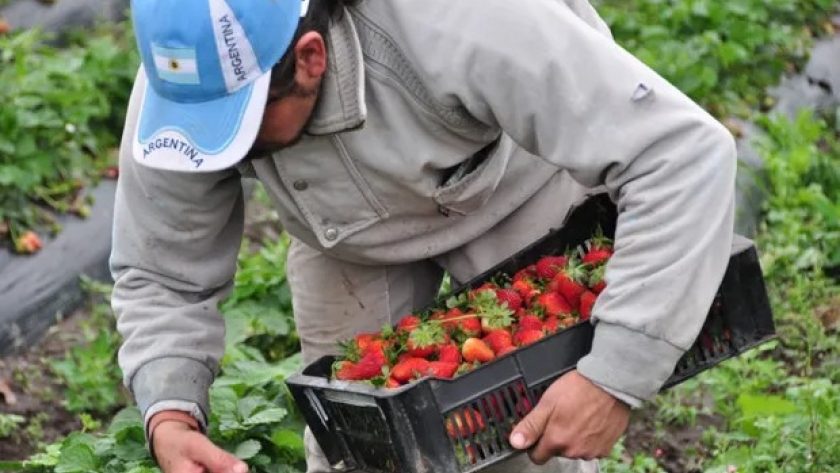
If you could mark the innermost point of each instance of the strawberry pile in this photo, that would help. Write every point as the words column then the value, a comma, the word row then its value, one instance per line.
column 481, row 324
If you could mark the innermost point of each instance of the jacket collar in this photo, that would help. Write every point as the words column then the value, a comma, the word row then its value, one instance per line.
column 341, row 104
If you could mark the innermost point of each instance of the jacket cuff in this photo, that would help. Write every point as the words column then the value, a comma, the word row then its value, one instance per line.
column 630, row 362
column 631, row 401
column 181, row 384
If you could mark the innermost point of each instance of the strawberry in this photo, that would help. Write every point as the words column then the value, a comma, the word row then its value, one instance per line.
column 474, row 350
column 449, row 353
column 408, row 323
column 548, row 266
column 418, row 350
column 527, row 336
column 371, row 364
column 464, row 423
column 409, row 369
column 597, row 284
column 553, row 304
column 510, row 297
column 487, row 286
column 470, row 326
column 392, row 383
column 600, row 249
column 368, row 367
column 569, row 283
column 498, row 339
column 442, row 369
column 552, row 324
column 505, row 350
column 491, row 406
column 344, row 370
column 527, row 289
column 467, row 323
column 530, row 322
column 596, row 256
column 528, row 273
column 425, row 340
column 587, row 300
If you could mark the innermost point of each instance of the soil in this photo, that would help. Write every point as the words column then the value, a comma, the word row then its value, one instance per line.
column 28, row 389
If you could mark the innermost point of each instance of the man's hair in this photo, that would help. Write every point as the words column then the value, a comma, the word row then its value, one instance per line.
column 321, row 13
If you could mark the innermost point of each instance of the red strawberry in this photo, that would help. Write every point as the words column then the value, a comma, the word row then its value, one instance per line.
column 552, row 324
column 505, row 350
column 569, row 283
column 469, row 324
column 464, row 423
column 449, row 353
column 530, row 322
column 344, row 370
column 526, row 336
column 487, row 286
column 408, row 323
column 474, row 350
column 498, row 339
column 596, row 256
column 548, row 266
column 510, row 297
column 527, row 290
column 392, row 383
column 371, row 364
column 587, row 300
column 597, row 284
column 420, row 351
column 410, row 368
column 553, row 304
column 525, row 274
column 442, row 369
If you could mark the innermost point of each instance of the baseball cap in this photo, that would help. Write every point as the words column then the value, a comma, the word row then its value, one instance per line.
column 208, row 67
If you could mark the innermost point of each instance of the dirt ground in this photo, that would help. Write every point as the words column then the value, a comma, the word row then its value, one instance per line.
column 30, row 390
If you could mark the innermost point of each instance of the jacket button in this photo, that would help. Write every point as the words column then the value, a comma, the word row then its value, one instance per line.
column 300, row 185
column 331, row 234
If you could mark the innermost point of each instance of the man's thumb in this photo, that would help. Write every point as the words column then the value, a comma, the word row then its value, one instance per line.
column 217, row 460
column 529, row 429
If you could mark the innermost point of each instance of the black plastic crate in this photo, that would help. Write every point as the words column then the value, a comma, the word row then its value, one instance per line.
column 405, row 429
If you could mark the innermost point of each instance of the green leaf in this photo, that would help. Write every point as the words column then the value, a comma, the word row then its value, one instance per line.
column 247, row 449
column 77, row 458
column 287, row 439
column 268, row 416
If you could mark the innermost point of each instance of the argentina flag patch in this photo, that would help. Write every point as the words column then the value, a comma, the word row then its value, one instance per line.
column 176, row 65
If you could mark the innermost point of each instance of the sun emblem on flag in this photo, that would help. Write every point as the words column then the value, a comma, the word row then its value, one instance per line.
column 174, row 65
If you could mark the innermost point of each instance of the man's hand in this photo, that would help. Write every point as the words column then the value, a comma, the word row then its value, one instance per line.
column 181, row 449
column 574, row 419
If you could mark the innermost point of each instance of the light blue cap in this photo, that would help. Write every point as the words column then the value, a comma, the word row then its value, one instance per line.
column 208, row 67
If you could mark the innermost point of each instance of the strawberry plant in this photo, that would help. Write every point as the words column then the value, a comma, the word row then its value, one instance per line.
column 61, row 119
column 725, row 55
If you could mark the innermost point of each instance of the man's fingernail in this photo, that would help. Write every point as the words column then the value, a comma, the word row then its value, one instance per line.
column 240, row 468
column 517, row 440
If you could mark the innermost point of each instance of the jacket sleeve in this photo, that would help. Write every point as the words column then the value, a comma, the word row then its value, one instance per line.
column 565, row 91
column 176, row 237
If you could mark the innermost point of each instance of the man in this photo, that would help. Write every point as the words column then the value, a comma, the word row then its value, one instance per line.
column 399, row 140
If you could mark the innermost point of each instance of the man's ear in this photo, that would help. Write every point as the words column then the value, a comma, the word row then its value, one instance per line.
column 310, row 58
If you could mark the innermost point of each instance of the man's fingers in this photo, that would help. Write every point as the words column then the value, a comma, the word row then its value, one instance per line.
column 202, row 451
column 546, row 448
column 530, row 428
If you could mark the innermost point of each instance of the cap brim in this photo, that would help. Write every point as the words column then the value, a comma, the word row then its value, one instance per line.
column 199, row 137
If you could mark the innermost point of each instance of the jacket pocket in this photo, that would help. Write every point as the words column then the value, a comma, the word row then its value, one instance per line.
column 328, row 189
column 470, row 185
